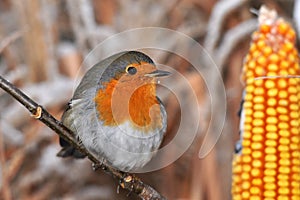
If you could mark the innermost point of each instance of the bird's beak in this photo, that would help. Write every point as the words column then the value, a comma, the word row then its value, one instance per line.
column 157, row 73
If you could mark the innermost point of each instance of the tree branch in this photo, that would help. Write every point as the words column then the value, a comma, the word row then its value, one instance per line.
column 125, row 180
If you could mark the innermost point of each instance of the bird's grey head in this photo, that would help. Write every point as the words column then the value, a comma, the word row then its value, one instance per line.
column 118, row 65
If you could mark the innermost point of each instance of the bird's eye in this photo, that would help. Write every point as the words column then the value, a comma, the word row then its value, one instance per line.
column 131, row 70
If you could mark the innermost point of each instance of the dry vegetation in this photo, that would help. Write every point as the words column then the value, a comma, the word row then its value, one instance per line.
column 43, row 44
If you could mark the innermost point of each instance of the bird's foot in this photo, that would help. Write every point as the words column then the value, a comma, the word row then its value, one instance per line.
column 101, row 164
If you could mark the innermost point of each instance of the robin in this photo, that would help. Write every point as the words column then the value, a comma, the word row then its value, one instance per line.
column 115, row 112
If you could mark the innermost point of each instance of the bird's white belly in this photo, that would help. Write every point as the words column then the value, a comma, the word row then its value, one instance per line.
column 123, row 146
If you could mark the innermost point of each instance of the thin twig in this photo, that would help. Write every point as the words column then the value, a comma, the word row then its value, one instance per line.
column 125, row 180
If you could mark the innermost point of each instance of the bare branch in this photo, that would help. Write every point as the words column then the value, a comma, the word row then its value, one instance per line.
column 125, row 180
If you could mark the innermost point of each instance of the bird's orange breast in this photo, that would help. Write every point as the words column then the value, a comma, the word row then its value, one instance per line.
column 122, row 101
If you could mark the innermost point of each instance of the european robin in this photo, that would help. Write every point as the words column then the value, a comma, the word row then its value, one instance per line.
column 115, row 112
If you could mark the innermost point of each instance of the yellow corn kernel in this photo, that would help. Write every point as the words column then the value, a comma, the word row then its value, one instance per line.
column 269, row 193
column 271, row 143
column 282, row 83
column 270, row 84
column 269, row 179
column 270, row 150
column 257, row 163
column 282, row 94
column 270, row 186
column 257, row 138
column 271, row 128
column 257, row 181
column 258, row 107
column 254, row 190
column 274, row 58
column 271, row 111
column 255, row 172
column 272, row 120
column 271, row 136
column 270, row 165
column 283, row 102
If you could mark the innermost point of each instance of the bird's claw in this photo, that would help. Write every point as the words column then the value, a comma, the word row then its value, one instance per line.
column 127, row 179
column 99, row 165
column 96, row 166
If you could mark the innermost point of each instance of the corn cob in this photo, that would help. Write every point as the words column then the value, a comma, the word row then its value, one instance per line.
column 268, row 165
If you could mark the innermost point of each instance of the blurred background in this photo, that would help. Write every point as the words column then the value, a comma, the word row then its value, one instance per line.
column 42, row 46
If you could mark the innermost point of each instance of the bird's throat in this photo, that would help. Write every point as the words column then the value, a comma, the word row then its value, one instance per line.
column 117, row 103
